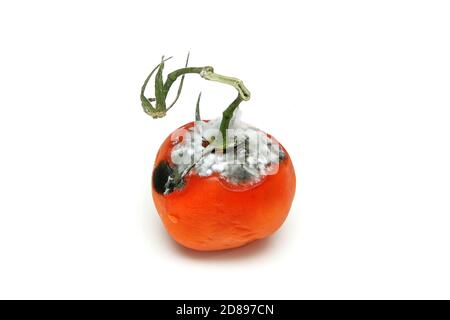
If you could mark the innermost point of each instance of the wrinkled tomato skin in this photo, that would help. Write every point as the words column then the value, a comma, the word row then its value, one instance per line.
column 207, row 214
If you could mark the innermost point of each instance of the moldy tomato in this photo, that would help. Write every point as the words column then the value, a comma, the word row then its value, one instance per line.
column 228, row 190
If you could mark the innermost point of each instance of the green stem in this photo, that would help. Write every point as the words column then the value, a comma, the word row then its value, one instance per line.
column 162, row 90
column 173, row 76
column 227, row 115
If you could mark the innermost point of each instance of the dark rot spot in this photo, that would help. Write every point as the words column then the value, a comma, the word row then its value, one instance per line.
column 161, row 175
column 205, row 143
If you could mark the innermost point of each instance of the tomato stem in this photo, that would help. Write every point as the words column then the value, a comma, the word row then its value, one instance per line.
column 162, row 90
column 227, row 115
column 209, row 74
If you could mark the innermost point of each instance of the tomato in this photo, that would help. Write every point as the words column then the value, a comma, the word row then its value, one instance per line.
column 210, row 213
column 214, row 202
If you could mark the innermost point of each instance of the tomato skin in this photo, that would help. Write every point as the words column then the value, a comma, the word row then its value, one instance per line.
column 207, row 214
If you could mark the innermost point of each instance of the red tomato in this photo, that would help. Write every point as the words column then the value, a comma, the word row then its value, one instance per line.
column 208, row 213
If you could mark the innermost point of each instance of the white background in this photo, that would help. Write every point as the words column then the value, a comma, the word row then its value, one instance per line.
column 357, row 91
